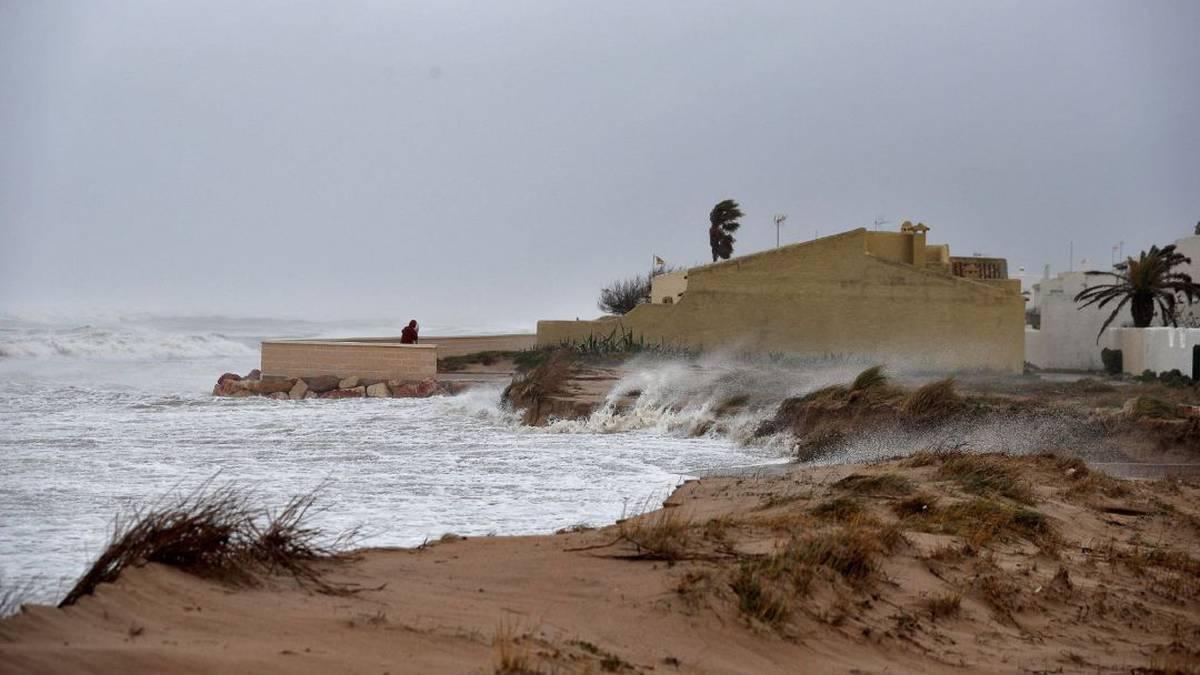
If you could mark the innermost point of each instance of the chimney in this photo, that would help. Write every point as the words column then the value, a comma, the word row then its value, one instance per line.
column 918, row 244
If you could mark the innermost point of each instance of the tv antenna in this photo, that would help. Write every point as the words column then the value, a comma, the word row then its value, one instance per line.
column 880, row 221
column 779, row 218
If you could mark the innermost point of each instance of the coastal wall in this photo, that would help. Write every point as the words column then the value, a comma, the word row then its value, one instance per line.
column 472, row 344
column 1158, row 350
column 830, row 297
column 459, row 345
column 667, row 289
column 341, row 358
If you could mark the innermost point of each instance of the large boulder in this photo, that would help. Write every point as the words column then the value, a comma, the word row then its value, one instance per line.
column 298, row 390
column 421, row 389
column 378, row 390
column 348, row 383
column 353, row 392
column 322, row 383
column 230, row 384
column 268, row 387
column 255, row 374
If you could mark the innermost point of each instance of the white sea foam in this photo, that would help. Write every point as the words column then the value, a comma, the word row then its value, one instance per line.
column 97, row 419
column 126, row 344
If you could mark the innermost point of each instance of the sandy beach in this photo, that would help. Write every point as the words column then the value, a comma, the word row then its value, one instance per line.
column 901, row 566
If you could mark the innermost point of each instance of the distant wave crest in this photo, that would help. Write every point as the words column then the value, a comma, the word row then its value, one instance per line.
column 119, row 344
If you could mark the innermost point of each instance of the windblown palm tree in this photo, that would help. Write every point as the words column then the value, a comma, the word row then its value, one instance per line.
column 724, row 222
column 1143, row 284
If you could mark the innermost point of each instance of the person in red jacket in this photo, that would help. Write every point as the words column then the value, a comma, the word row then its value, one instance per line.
column 408, row 336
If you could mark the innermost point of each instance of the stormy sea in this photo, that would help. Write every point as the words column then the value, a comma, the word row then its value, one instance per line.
column 102, row 416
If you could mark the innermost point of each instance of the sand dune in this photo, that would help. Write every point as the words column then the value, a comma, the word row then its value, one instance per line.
column 940, row 564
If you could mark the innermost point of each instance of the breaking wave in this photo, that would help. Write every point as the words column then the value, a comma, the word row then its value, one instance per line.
column 713, row 396
column 729, row 397
column 119, row 344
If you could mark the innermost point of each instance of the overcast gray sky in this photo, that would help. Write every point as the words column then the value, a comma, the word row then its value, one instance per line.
column 489, row 163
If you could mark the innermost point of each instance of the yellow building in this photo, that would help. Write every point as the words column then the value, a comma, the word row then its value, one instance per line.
column 885, row 296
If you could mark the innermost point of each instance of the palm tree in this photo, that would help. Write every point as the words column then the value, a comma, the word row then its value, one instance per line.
column 1142, row 284
column 723, row 219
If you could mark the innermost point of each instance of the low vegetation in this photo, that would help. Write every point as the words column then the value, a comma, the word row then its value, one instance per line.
column 986, row 475
column 943, row 605
column 888, row 484
column 1149, row 407
column 659, row 535
column 767, row 587
column 523, row 361
column 620, row 343
column 980, row 521
column 622, row 295
column 933, row 401
column 215, row 533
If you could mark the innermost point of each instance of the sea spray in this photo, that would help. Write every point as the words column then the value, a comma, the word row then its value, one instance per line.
column 730, row 396
column 717, row 395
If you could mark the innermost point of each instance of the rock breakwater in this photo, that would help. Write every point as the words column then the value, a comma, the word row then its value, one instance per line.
column 327, row 386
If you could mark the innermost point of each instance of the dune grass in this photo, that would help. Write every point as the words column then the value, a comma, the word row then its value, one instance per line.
column 215, row 533
column 986, row 475
column 943, row 605
column 980, row 521
column 883, row 484
column 931, row 401
column 838, row 509
column 659, row 535
column 766, row 586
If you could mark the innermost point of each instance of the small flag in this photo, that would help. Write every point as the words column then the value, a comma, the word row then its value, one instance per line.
column 659, row 261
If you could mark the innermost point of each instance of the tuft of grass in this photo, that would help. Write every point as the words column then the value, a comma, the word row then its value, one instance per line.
column 868, row 379
column 986, row 475
column 834, row 392
column 660, row 535
column 1150, row 407
column 285, row 542
column 919, row 504
column 935, row 455
column 980, row 521
column 840, row 509
column 851, row 551
column 528, row 360
column 765, row 586
column 932, row 401
column 1003, row 595
column 213, row 533
column 511, row 655
column 756, row 587
column 943, row 605
column 882, row 484
column 717, row 529
column 609, row 662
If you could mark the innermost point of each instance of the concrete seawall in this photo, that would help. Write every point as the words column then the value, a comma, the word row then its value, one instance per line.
column 381, row 358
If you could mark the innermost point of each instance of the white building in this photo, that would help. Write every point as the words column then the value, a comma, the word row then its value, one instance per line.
column 1067, row 337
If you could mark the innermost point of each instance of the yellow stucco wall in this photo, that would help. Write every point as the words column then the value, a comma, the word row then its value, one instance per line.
column 829, row 297
column 894, row 246
column 670, row 285
column 344, row 358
